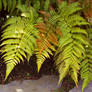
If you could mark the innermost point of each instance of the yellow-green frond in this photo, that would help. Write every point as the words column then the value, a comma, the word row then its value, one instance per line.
column 18, row 41
column 72, row 44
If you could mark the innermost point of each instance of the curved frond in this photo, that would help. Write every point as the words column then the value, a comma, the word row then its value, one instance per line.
column 86, row 65
column 10, row 5
column 72, row 45
column 18, row 41
column 47, row 42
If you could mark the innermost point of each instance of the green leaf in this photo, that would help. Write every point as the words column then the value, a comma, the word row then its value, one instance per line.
column 9, row 67
column 79, row 31
column 9, row 5
column 14, row 5
column 5, row 4
column 46, row 5
column 37, row 5
column 0, row 5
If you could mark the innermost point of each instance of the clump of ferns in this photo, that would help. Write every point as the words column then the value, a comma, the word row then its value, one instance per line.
column 71, row 47
column 25, row 36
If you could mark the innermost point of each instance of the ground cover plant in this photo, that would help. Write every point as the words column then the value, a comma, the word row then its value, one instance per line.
column 46, row 28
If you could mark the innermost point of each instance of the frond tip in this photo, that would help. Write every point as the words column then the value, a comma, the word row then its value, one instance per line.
column 86, row 65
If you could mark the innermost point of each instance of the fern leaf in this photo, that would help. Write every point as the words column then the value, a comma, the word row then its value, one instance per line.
column 0, row 5
column 42, row 57
column 76, row 19
column 72, row 45
column 80, row 38
column 37, row 5
column 46, row 5
column 9, row 5
column 5, row 4
column 86, row 65
column 46, row 43
column 18, row 41
column 78, row 30
column 9, row 68
column 65, row 69
column 14, row 5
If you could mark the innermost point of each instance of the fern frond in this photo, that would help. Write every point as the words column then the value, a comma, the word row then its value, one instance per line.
column 72, row 45
column 73, row 8
column 0, row 5
column 37, row 5
column 4, row 4
column 86, row 65
column 9, row 5
column 14, row 2
column 18, row 41
column 46, row 5
column 48, row 39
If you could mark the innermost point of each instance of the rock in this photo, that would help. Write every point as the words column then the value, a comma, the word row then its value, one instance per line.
column 87, row 89
column 44, row 84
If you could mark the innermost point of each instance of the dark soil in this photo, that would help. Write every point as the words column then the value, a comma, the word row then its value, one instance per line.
column 28, row 70
column 67, row 84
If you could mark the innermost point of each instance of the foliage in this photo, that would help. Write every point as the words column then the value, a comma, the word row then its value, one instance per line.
column 9, row 5
column 18, row 40
column 86, row 65
column 45, row 43
column 71, row 47
column 44, row 29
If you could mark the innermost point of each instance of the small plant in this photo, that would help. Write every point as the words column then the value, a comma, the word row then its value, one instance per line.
column 46, row 30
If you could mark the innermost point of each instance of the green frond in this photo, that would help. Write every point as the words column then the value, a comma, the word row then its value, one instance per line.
column 86, row 65
column 63, row 69
column 80, row 38
column 37, row 5
column 79, row 30
column 18, row 41
column 5, row 4
column 66, row 10
column 9, row 67
column 46, row 5
column 0, row 5
column 11, row 6
column 42, row 30
column 71, row 47
column 14, row 2
column 76, row 19
column 8, row 5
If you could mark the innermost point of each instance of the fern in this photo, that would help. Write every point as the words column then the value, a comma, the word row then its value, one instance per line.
column 19, row 41
column 86, row 65
column 10, row 4
column 47, row 42
column 46, row 5
column 72, row 45
column 60, row 30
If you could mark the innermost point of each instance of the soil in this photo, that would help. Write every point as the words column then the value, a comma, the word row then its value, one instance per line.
column 67, row 84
